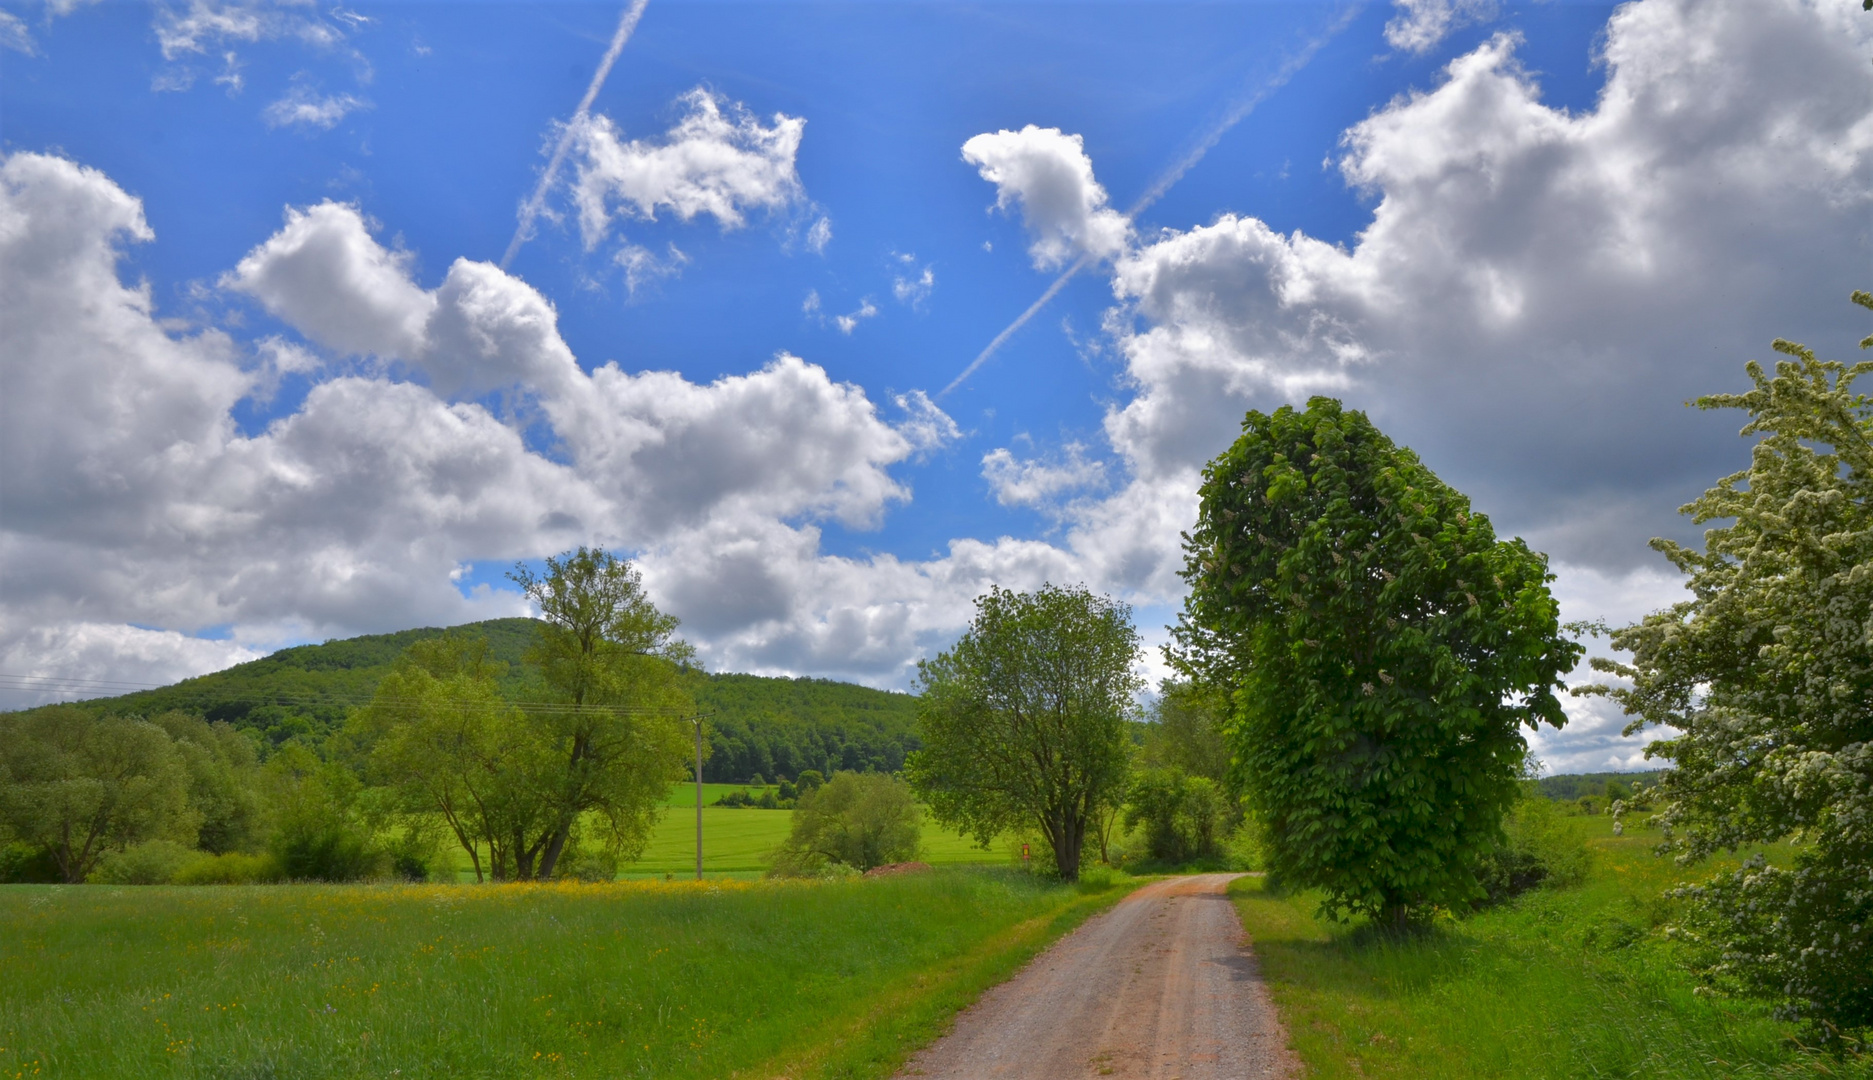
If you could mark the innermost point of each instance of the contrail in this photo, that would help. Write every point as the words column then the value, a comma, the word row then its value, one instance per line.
column 1240, row 111
column 531, row 208
column 1020, row 321
column 1236, row 114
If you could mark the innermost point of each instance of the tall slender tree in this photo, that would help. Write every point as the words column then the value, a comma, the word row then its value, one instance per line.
column 614, row 667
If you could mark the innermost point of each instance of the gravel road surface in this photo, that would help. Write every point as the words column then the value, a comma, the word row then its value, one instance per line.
column 1161, row 986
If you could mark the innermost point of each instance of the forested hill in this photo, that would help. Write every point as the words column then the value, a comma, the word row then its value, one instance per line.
column 761, row 725
column 1574, row 785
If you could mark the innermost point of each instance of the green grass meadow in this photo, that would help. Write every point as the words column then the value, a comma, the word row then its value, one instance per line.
column 1564, row 983
column 739, row 842
column 684, row 979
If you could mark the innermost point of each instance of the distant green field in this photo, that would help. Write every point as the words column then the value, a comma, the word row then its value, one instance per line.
column 684, row 794
column 481, row 982
column 743, row 841
column 739, row 843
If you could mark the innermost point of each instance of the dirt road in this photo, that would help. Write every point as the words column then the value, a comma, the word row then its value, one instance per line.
column 1161, row 986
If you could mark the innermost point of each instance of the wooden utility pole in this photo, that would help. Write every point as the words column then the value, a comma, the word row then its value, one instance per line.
column 697, row 720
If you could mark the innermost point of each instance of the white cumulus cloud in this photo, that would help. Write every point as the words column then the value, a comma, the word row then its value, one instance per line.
column 143, row 504
column 1038, row 482
column 717, row 160
column 1421, row 24
column 1047, row 173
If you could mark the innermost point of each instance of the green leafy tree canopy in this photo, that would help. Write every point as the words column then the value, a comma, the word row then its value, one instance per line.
column 78, row 786
column 1024, row 720
column 1382, row 650
column 860, row 820
column 613, row 666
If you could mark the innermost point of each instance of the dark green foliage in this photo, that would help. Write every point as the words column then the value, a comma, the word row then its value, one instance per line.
column 1570, row 786
column 810, row 780
column 1382, row 648
column 224, row 786
column 786, row 727
column 78, row 786
column 321, row 835
column 308, row 690
column 743, row 799
column 1184, row 817
column 1537, row 849
column 23, row 864
column 1186, row 730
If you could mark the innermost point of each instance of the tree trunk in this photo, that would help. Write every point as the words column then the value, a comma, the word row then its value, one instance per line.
column 1066, row 834
column 550, row 858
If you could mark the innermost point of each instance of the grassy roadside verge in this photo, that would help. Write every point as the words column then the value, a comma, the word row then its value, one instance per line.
column 629, row 979
column 1569, row 983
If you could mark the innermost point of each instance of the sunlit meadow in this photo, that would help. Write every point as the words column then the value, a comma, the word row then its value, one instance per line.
column 628, row 979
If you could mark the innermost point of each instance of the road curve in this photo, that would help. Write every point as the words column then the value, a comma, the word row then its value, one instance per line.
column 1162, row 986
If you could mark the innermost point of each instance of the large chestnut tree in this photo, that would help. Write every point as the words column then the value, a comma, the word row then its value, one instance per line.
column 1382, row 652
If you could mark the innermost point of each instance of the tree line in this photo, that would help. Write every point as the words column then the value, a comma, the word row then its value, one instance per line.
column 554, row 770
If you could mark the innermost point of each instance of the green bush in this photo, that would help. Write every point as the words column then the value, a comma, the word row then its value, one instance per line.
column 25, row 864
column 320, row 836
column 234, row 868
column 153, row 862
column 1538, row 849
column 1184, row 817
column 861, row 820
column 586, row 863
column 1097, row 878
column 337, row 853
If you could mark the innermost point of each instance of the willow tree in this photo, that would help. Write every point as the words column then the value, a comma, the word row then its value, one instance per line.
column 78, row 786
column 1766, row 676
column 444, row 738
column 1024, row 720
column 1382, row 650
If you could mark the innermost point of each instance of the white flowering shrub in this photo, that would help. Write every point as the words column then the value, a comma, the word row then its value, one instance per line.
column 1767, row 674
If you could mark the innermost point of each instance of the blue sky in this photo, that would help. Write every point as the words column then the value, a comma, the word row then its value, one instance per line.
column 267, row 382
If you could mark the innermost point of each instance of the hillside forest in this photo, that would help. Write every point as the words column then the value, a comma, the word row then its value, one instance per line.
column 757, row 726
